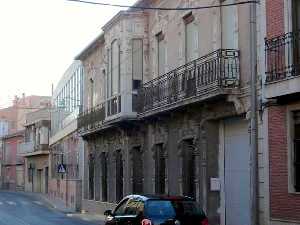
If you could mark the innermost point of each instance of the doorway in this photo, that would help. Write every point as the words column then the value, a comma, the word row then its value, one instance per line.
column 237, row 172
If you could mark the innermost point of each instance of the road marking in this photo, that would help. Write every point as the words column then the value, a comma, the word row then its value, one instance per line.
column 37, row 202
column 11, row 203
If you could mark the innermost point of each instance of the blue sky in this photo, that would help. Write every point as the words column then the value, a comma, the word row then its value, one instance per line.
column 40, row 38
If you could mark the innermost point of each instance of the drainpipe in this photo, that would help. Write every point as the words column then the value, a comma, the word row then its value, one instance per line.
column 253, row 116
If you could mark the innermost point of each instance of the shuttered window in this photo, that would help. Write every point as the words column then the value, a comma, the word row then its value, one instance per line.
column 191, row 38
column 296, row 14
column 119, row 175
column 104, row 176
column 137, row 63
column 160, row 169
column 295, row 29
column 91, row 95
column 115, row 67
column 91, row 176
column 137, row 171
column 229, row 25
column 161, row 49
column 188, row 169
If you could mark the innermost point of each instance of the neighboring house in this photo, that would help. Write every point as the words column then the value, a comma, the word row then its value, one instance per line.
column 13, row 164
column 282, row 108
column 12, row 121
column 35, row 150
column 165, row 111
column 15, row 115
column 66, row 148
column 4, row 128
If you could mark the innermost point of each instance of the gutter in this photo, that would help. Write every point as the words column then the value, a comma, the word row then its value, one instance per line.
column 254, row 123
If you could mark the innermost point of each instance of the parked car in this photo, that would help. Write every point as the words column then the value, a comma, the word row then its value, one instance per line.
column 156, row 210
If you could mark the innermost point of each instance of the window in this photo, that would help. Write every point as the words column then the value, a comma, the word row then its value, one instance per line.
column 296, row 28
column 188, row 168
column 160, row 169
column 137, row 63
column 161, row 55
column 30, row 172
column 134, row 207
column 91, row 93
column 120, row 210
column 119, row 175
column 115, row 68
column 296, row 153
column 229, row 25
column 160, row 208
column 137, row 170
column 91, row 176
column 296, row 15
column 191, row 38
column 104, row 176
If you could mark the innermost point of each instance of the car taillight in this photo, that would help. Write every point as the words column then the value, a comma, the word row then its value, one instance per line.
column 146, row 222
column 204, row 222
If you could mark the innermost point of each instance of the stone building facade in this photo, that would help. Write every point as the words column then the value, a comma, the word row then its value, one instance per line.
column 166, row 107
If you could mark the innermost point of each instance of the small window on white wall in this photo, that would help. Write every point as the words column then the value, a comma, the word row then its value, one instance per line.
column 137, row 63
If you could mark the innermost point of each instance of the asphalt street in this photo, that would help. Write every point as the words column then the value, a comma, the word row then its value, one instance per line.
column 21, row 209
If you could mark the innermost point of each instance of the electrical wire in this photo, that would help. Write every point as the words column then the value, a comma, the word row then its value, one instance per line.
column 161, row 8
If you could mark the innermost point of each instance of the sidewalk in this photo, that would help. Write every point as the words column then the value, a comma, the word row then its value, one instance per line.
column 59, row 205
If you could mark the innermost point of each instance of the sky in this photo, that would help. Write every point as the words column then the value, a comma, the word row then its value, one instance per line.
column 40, row 38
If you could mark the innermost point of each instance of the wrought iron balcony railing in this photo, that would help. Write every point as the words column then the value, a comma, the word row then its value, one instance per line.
column 282, row 56
column 92, row 118
column 199, row 78
column 109, row 111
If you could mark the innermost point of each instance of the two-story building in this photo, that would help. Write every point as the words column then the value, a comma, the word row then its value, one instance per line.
column 4, row 127
column 166, row 109
column 12, row 163
column 66, row 157
column 35, row 150
column 282, row 107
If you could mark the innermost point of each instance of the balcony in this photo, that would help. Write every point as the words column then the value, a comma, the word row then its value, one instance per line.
column 282, row 65
column 115, row 108
column 209, row 76
column 30, row 149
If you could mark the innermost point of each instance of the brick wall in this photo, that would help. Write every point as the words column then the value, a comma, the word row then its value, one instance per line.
column 283, row 205
column 275, row 17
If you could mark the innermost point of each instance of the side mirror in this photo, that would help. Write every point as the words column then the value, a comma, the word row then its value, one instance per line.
column 108, row 212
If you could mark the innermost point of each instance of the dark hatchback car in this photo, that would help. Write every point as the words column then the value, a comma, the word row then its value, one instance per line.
column 156, row 210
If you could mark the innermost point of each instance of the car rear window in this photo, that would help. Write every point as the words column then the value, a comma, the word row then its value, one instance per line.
column 171, row 208
column 160, row 208
column 187, row 208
